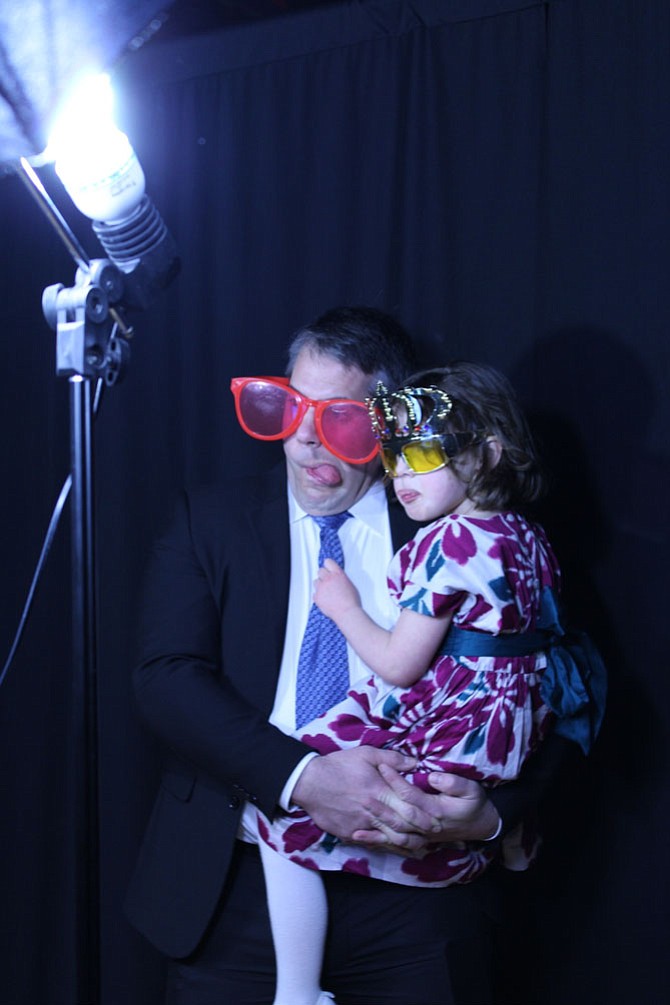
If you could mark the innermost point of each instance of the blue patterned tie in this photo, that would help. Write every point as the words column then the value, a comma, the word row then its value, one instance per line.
column 323, row 669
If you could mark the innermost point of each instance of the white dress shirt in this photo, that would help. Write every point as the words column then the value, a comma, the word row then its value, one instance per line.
column 368, row 549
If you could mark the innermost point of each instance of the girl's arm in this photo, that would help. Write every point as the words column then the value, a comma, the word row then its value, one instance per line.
column 400, row 656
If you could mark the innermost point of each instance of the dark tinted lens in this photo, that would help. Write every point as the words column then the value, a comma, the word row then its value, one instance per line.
column 389, row 460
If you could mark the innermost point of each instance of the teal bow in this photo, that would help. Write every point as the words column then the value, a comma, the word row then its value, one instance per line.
column 574, row 683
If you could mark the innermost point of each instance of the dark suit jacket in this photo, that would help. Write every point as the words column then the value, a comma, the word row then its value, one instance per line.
column 211, row 635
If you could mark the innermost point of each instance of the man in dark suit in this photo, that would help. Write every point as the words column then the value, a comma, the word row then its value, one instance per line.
column 225, row 607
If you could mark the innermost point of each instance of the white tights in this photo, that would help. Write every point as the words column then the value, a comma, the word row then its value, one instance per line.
column 298, row 917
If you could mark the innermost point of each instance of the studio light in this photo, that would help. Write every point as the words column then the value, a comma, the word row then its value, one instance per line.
column 103, row 177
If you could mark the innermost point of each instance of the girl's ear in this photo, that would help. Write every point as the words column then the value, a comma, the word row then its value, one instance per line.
column 494, row 450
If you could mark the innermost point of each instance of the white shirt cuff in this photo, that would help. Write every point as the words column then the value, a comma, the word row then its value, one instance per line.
column 292, row 781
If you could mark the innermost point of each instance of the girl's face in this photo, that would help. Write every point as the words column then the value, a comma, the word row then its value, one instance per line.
column 429, row 496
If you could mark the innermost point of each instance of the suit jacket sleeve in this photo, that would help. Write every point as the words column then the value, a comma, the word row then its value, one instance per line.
column 211, row 634
column 538, row 775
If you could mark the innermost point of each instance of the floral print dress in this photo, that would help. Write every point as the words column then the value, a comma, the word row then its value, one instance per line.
column 479, row 717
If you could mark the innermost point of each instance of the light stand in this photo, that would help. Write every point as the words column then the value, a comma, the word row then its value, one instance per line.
column 91, row 348
column 84, row 656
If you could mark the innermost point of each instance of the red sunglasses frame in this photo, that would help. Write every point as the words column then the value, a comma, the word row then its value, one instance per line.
column 304, row 403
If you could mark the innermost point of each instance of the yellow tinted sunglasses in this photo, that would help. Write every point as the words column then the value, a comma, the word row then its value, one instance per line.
column 425, row 455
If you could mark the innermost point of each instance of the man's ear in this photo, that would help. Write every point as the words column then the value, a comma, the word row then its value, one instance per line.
column 494, row 450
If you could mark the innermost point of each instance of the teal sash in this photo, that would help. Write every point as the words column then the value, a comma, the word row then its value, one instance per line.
column 574, row 683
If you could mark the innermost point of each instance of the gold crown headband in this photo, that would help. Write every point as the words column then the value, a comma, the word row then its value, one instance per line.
column 425, row 413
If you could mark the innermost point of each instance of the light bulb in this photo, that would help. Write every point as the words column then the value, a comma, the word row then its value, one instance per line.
column 104, row 178
column 94, row 159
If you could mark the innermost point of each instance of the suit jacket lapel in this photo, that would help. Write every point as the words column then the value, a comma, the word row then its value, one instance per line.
column 268, row 512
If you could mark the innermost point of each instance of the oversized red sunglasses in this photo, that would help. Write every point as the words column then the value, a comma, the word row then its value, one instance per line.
column 268, row 408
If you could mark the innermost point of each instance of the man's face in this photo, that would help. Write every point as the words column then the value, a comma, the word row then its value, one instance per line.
column 322, row 483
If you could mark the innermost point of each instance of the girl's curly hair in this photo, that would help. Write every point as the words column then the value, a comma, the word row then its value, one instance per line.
column 484, row 402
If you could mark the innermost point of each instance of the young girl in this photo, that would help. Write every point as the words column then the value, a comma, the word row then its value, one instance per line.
column 456, row 683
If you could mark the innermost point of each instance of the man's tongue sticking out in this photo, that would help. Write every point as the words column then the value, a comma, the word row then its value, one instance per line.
column 326, row 474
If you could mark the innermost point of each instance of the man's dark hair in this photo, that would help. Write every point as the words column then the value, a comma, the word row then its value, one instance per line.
column 363, row 337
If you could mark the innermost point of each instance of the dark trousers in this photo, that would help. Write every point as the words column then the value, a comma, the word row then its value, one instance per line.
column 387, row 944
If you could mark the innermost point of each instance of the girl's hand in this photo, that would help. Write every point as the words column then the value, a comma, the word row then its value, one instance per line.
column 334, row 593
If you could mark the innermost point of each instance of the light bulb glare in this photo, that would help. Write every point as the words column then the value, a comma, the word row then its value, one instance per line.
column 94, row 159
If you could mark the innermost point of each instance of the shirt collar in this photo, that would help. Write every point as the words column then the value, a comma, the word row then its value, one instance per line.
column 370, row 509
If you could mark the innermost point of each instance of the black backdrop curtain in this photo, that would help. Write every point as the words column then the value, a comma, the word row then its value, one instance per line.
column 495, row 174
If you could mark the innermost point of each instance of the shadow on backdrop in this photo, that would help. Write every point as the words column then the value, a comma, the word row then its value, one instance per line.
column 590, row 401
